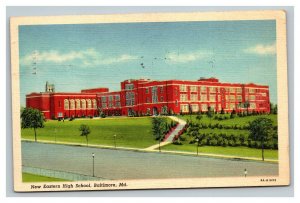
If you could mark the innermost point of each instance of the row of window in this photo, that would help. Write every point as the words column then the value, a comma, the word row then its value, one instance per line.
column 80, row 104
column 183, row 88
column 161, row 89
column 110, row 98
column 212, row 98
column 204, row 107
column 110, row 105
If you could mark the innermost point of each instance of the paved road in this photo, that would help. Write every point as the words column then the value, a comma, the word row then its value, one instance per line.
column 122, row 164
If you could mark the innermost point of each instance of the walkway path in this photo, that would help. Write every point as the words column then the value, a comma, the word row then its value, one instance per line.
column 170, row 138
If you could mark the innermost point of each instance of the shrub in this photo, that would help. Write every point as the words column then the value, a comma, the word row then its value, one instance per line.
column 102, row 115
column 231, row 143
column 183, row 137
column 177, row 142
column 225, row 143
column 213, row 142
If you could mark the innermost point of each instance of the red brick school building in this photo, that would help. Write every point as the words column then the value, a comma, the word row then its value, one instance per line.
column 152, row 97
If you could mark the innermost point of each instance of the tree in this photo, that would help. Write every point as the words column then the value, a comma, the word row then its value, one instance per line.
column 261, row 130
column 273, row 108
column 85, row 131
column 199, row 117
column 158, row 128
column 209, row 113
column 32, row 118
column 194, row 132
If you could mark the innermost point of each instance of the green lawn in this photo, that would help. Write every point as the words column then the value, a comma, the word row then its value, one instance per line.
column 241, row 121
column 27, row 177
column 131, row 132
column 235, row 151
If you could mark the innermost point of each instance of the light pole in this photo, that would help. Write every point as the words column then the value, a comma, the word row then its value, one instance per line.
column 115, row 137
column 245, row 172
column 197, row 140
column 93, row 155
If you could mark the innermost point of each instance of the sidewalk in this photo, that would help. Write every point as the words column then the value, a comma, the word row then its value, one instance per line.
column 180, row 126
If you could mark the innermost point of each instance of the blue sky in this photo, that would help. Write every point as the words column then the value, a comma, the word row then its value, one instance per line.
column 80, row 56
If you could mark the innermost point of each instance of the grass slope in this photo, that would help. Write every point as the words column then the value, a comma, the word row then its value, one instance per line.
column 131, row 132
column 27, row 177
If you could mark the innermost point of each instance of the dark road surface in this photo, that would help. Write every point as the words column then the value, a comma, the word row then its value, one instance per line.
column 122, row 164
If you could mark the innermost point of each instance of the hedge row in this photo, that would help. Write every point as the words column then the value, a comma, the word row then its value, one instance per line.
column 226, row 139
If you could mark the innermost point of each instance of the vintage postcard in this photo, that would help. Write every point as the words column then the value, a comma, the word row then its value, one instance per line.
column 144, row 101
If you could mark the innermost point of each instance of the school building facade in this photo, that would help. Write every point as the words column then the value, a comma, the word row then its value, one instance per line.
column 153, row 97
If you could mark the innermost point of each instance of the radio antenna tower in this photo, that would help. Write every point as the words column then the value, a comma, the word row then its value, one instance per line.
column 34, row 62
column 212, row 63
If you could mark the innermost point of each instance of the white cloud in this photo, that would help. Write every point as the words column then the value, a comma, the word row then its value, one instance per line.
column 262, row 49
column 176, row 57
column 88, row 57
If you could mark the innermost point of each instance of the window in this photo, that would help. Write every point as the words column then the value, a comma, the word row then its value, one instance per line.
column 118, row 104
column 194, row 97
column 193, row 88
column 239, row 90
column 110, row 98
column 183, row 88
column 203, row 89
column 147, row 90
column 204, row 107
column 219, row 107
column 239, row 98
column 264, row 94
column 252, row 97
column 252, row 90
column 212, row 98
column 212, row 107
column 94, row 104
column 59, row 114
column 219, row 97
column 117, row 97
column 104, row 105
column 161, row 99
column 212, row 90
column 232, row 90
column 232, row 106
column 154, row 94
column 176, row 102
column 129, row 86
column 232, row 98
column 227, row 105
column 66, row 104
column 184, row 108
column 183, row 97
column 72, row 104
column 203, row 97
column 103, row 99
column 252, row 106
column 77, row 103
column 161, row 89
column 130, row 99
column 147, row 100
column 83, row 104
column 89, row 103
column 195, row 107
